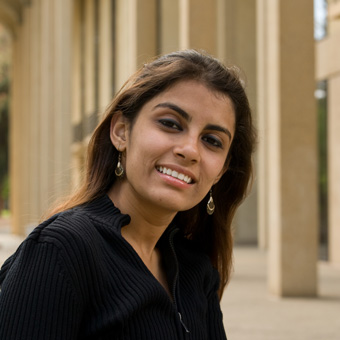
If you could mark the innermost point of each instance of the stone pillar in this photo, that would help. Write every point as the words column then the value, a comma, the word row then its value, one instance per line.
column 105, row 72
column 89, row 82
column 33, row 17
column 222, row 22
column 21, row 138
column 27, row 166
column 46, row 134
column 40, row 134
column 61, row 97
column 169, row 26
column 10, row 18
column 291, row 145
column 238, row 21
column 263, row 112
column 77, row 159
column 16, row 128
column 198, row 25
column 136, row 36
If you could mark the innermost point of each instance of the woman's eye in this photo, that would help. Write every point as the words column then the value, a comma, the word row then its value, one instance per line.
column 169, row 123
column 212, row 141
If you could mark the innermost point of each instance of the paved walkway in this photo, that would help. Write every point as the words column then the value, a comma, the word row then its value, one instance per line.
column 250, row 313
column 8, row 242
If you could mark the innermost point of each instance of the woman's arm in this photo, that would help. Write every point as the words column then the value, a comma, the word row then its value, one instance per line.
column 37, row 300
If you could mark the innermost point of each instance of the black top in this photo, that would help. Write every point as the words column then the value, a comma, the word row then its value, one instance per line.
column 75, row 277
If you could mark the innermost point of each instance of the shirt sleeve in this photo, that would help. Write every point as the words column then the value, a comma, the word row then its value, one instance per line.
column 36, row 299
column 215, row 318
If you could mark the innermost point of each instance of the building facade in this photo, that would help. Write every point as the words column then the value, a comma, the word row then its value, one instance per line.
column 71, row 56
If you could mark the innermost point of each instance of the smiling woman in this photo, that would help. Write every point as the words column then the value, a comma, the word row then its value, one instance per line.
column 143, row 250
column 182, row 129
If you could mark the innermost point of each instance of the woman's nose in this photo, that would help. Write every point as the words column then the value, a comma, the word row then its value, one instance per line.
column 188, row 150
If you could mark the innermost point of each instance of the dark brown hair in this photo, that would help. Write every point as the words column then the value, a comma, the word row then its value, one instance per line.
column 212, row 233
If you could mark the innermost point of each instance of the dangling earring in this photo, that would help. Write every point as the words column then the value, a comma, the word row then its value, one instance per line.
column 119, row 171
column 210, row 204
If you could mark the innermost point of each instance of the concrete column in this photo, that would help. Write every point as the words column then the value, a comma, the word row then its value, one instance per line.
column 16, row 146
column 291, row 137
column 146, row 25
column 46, row 113
column 198, row 25
column 105, row 82
column 20, row 136
column 33, row 12
column 263, row 117
column 89, row 59
column 27, row 169
column 169, row 26
column 222, row 21
column 61, row 98
column 39, row 157
column 239, row 44
column 334, row 167
column 136, row 38
column 76, row 112
column 76, row 64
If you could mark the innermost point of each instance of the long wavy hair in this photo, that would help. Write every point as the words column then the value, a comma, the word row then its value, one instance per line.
column 212, row 233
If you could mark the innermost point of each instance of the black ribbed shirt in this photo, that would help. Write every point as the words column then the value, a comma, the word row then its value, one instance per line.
column 75, row 277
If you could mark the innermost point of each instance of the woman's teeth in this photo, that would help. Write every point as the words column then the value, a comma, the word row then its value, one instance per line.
column 174, row 174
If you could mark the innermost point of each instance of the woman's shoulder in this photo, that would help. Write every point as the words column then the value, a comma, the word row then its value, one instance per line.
column 74, row 237
column 60, row 235
column 99, row 218
column 63, row 228
column 72, row 233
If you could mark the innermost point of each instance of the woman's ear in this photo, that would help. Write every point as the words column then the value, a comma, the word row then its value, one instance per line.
column 119, row 131
column 220, row 174
column 223, row 171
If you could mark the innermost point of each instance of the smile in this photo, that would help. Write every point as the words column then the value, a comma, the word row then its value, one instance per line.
column 174, row 174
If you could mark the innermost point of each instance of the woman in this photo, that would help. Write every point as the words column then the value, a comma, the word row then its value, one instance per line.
column 143, row 250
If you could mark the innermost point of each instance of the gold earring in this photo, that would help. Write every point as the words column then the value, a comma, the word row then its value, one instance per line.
column 119, row 171
column 210, row 204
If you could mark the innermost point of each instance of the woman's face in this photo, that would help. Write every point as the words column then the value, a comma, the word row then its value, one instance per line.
column 176, row 150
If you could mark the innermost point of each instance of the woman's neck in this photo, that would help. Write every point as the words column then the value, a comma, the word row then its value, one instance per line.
column 147, row 222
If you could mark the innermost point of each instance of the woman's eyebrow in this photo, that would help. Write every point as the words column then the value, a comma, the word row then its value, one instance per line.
column 176, row 108
column 219, row 128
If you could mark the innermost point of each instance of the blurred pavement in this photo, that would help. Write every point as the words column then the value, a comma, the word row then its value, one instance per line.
column 250, row 313
column 8, row 242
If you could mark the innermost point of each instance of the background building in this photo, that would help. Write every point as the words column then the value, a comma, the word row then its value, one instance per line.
column 71, row 56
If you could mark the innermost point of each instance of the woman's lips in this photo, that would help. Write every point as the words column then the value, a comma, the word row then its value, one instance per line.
column 173, row 173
